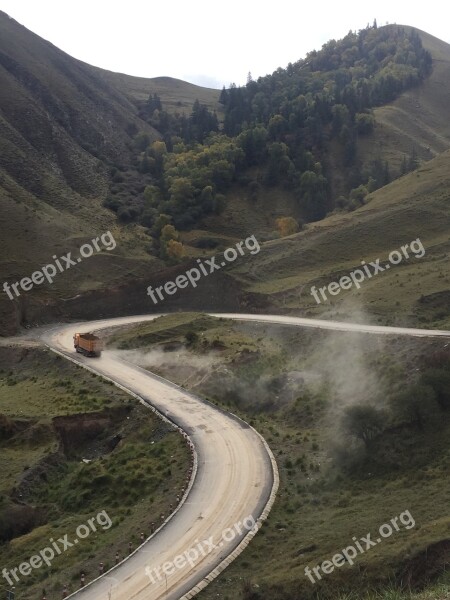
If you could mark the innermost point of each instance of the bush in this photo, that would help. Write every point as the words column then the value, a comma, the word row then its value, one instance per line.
column 439, row 381
column 418, row 406
column 127, row 213
column 191, row 338
column 112, row 203
column 364, row 422
column 364, row 123
column 206, row 243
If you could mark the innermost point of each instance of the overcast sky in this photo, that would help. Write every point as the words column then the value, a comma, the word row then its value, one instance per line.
column 206, row 42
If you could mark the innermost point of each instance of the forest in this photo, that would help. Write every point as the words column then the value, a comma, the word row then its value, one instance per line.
column 275, row 131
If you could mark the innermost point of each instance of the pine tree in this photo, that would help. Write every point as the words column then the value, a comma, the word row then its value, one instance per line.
column 224, row 96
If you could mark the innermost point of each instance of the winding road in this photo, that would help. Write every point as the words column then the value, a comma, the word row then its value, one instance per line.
column 234, row 477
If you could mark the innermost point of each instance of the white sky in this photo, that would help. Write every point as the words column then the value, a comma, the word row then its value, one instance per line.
column 205, row 41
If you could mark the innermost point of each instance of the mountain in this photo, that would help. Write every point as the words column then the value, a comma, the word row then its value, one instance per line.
column 57, row 112
column 61, row 128
column 74, row 141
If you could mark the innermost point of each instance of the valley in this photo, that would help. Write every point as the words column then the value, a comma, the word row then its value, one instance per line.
column 240, row 398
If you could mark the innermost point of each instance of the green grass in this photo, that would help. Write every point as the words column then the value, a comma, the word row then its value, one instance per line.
column 414, row 292
column 177, row 96
column 291, row 384
column 134, row 483
column 436, row 592
column 162, row 329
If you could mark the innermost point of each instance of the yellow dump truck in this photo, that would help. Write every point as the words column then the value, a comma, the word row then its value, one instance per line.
column 88, row 344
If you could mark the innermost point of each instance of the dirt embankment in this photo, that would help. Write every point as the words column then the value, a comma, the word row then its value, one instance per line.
column 219, row 292
column 79, row 436
column 426, row 566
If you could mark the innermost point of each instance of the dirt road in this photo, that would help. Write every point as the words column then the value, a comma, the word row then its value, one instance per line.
column 236, row 478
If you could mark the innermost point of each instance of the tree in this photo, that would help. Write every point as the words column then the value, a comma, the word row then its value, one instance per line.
column 127, row 213
column 404, row 166
column 286, row 226
column 201, row 123
column 413, row 162
column 303, row 109
column 417, row 405
column 341, row 117
column 175, row 249
column 158, row 150
column 253, row 143
column 223, row 99
column 168, row 236
column 253, row 189
column 439, row 380
column 146, row 164
column 364, row 422
column 152, row 195
column 359, row 194
column 278, row 164
column 181, row 191
column 207, row 199
column 347, row 139
column 168, row 232
column 153, row 103
column 159, row 223
column 277, row 127
column 313, row 194
column 222, row 173
column 364, row 123
column 141, row 141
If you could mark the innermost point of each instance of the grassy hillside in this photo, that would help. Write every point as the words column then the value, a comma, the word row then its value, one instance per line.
column 295, row 386
column 416, row 120
column 415, row 291
column 176, row 95
column 67, row 141
column 60, row 130
column 58, row 120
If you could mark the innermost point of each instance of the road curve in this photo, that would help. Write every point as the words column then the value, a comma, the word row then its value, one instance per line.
column 236, row 475
column 334, row 325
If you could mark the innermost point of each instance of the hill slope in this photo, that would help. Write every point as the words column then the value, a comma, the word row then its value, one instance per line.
column 417, row 290
column 65, row 127
column 176, row 95
column 60, row 129
column 418, row 119
column 57, row 118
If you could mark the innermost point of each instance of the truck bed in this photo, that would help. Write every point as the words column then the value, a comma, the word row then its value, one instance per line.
column 88, row 344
